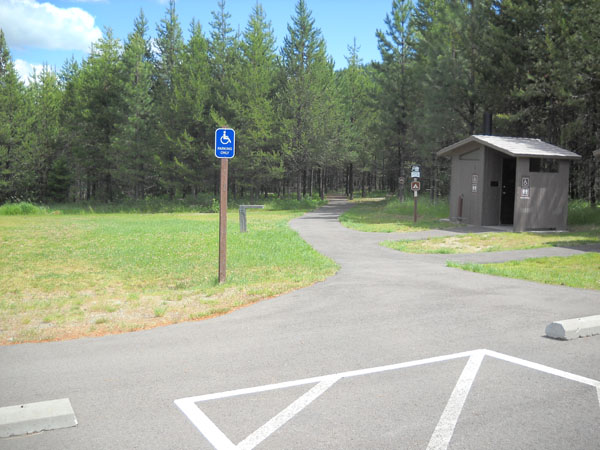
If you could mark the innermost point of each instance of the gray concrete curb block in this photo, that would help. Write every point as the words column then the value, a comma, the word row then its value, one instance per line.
column 36, row 417
column 574, row 328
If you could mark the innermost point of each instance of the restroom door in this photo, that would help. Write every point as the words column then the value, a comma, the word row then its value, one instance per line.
column 507, row 201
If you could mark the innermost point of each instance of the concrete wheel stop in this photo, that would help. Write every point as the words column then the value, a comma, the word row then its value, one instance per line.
column 574, row 328
column 35, row 417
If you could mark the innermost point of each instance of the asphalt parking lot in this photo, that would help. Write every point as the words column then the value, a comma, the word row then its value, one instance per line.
column 394, row 351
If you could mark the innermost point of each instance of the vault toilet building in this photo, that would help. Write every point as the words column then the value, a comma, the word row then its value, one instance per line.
column 509, row 181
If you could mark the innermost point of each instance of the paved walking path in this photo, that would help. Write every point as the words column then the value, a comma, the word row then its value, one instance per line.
column 484, row 257
column 394, row 351
column 490, row 257
column 517, row 255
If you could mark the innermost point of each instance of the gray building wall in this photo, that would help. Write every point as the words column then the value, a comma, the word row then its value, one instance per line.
column 464, row 166
column 545, row 208
column 547, row 205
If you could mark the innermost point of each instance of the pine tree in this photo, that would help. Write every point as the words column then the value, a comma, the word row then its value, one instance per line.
column 132, row 143
column 258, row 162
column 43, row 132
column 71, row 136
column 396, row 46
column 12, row 132
column 168, row 63
column 357, row 93
column 308, row 106
column 192, row 93
column 99, row 95
column 511, row 48
column 225, row 58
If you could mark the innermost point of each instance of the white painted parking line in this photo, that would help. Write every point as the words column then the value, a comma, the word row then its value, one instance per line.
column 280, row 419
column 542, row 368
column 442, row 434
column 445, row 427
column 206, row 426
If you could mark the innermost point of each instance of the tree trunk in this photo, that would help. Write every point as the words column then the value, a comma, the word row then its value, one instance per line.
column 299, row 186
column 434, row 180
column 364, row 185
column 351, row 181
column 304, row 182
column 321, row 190
column 592, row 193
column 383, row 175
column 400, row 173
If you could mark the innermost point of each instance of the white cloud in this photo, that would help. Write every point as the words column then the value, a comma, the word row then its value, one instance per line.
column 25, row 69
column 29, row 24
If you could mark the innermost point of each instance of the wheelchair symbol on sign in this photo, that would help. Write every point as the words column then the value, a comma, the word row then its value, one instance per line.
column 225, row 140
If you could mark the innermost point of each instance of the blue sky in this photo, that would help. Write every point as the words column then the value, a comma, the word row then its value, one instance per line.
column 51, row 31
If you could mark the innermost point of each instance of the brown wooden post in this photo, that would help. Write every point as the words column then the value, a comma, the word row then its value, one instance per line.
column 223, row 222
column 415, row 209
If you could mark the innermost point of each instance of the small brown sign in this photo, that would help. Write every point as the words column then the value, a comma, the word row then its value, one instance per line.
column 415, row 185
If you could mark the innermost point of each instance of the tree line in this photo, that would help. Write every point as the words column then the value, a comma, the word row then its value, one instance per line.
column 136, row 118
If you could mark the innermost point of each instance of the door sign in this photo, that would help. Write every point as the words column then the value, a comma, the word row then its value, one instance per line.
column 525, row 193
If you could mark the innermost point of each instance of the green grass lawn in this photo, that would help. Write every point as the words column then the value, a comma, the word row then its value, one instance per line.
column 581, row 271
column 494, row 242
column 65, row 276
column 389, row 215
column 577, row 271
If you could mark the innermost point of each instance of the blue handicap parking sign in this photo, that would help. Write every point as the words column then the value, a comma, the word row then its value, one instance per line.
column 224, row 143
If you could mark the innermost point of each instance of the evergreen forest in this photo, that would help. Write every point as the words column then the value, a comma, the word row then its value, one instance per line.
column 136, row 118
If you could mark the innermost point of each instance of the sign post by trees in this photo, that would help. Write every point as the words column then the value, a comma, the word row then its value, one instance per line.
column 224, row 150
column 415, row 185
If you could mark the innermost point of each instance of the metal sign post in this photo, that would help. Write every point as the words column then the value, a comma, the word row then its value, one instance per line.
column 224, row 150
column 223, row 222
column 415, row 185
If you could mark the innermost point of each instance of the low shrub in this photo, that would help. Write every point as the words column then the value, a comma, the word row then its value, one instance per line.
column 292, row 203
column 581, row 213
column 201, row 203
column 21, row 209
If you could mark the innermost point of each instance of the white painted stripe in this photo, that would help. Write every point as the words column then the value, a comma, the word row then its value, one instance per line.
column 405, row 365
column 284, row 416
column 442, row 434
column 312, row 380
column 445, row 427
column 218, row 439
column 206, row 426
column 542, row 368
column 254, row 390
